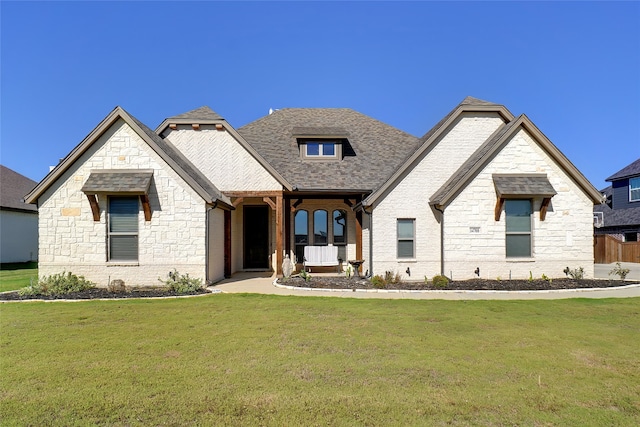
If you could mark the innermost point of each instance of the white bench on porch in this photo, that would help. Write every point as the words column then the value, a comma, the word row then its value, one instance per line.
column 321, row 256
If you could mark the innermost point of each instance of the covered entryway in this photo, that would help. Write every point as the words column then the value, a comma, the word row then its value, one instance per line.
column 256, row 237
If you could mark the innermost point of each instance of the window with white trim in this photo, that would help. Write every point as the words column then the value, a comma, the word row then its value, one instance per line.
column 320, row 149
column 406, row 237
column 123, row 229
column 634, row 189
column 518, row 228
column 340, row 232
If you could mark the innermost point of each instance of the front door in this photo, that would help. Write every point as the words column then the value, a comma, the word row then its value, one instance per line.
column 256, row 237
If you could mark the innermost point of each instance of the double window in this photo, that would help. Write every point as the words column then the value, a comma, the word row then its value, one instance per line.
column 634, row 189
column 123, row 229
column 321, row 149
column 518, row 228
column 406, row 231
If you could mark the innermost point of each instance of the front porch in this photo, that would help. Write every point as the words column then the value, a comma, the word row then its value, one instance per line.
column 267, row 226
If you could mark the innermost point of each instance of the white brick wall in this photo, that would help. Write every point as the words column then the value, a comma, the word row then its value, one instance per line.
column 222, row 159
column 564, row 239
column 70, row 240
column 410, row 198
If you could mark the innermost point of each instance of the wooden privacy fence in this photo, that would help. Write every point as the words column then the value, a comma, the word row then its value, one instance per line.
column 608, row 249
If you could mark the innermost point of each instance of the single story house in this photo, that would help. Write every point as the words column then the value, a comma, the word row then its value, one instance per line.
column 18, row 220
column 483, row 192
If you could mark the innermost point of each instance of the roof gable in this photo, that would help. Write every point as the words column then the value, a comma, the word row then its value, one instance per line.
column 432, row 137
column 13, row 187
column 476, row 163
column 164, row 149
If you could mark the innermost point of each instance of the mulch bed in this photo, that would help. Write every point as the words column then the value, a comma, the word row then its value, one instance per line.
column 473, row 284
column 101, row 293
column 341, row 283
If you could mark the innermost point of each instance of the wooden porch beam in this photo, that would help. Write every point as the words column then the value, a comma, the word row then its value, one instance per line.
column 279, row 206
column 252, row 193
column 270, row 202
column 146, row 207
column 237, row 201
column 499, row 205
column 95, row 208
column 359, row 236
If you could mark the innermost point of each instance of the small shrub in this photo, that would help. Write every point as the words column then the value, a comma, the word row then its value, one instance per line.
column 440, row 281
column 306, row 276
column 576, row 273
column 548, row 279
column 182, row 283
column 378, row 282
column 622, row 272
column 117, row 286
column 348, row 271
column 58, row 284
column 426, row 280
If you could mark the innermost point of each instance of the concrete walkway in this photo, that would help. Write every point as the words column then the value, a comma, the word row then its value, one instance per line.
column 263, row 283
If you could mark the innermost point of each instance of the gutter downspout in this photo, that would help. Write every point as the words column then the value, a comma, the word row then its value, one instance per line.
column 370, row 214
column 441, row 239
column 206, row 237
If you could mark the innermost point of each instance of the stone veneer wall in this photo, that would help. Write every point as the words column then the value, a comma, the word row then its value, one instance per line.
column 71, row 241
column 563, row 239
column 410, row 199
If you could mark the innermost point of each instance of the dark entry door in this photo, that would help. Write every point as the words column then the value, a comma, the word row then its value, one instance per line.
column 256, row 237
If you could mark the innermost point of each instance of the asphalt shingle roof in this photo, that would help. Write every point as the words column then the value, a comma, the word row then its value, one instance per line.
column 631, row 170
column 13, row 188
column 118, row 181
column 202, row 113
column 374, row 151
column 617, row 217
column 510, row 185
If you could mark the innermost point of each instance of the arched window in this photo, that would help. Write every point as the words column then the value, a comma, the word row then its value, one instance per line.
column 320, row 227
column 301, row 225
column 340, row 233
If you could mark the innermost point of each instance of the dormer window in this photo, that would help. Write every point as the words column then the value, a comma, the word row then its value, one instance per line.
column 321, row 148
column 322, row 143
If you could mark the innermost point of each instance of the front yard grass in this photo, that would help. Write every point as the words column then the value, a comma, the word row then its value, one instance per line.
column 233, row 359
column 17, row 275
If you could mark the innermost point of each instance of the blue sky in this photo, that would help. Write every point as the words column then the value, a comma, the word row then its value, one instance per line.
column 572, row 67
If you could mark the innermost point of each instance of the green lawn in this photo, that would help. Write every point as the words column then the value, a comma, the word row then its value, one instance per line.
column 16, row 276
column 232, row 359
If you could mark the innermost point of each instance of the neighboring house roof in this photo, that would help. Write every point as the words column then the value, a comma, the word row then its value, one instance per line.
column 617, row 217
column 164, row 149
column 492, row 146
column 13, row 187
column 627, row 172
column 372, row 152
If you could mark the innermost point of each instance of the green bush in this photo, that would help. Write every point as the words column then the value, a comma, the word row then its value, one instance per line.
column 58, row 284
column 622, row 272
column 378, row 282
column 306, row 276
column 440, row 281
column 182, row 283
